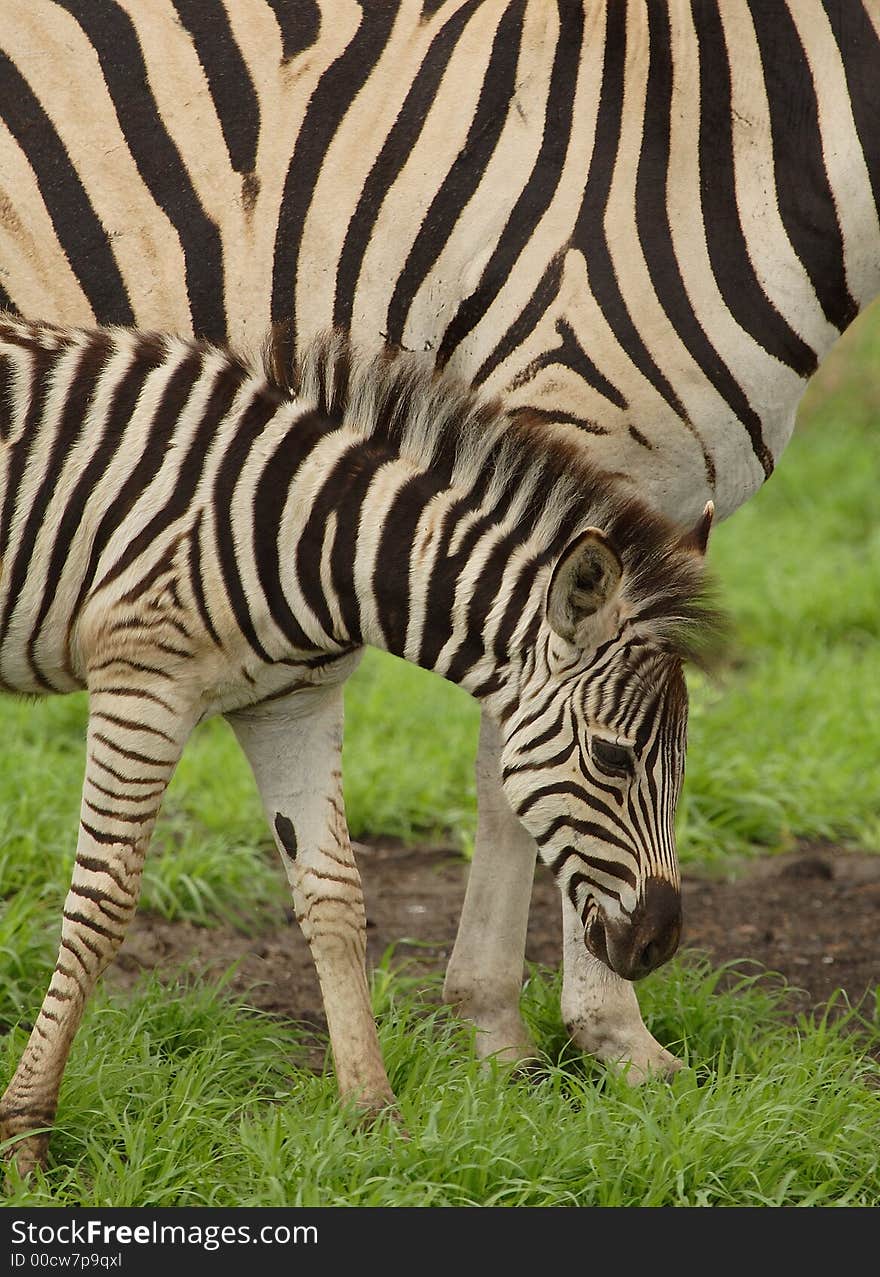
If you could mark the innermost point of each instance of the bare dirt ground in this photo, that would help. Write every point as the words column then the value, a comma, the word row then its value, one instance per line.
column 812, row 916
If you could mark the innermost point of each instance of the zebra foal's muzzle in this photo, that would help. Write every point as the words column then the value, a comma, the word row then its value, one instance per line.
column 633, row 947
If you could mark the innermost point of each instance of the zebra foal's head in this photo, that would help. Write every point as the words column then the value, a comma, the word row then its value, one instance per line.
column 594, row 746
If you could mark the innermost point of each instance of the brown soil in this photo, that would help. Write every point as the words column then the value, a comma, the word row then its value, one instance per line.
column 812, row 916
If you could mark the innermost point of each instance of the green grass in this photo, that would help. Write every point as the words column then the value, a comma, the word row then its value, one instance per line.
column 193, row 1099
column 196, row 1101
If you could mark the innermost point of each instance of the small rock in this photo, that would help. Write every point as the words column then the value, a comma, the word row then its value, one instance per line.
column 808, row 867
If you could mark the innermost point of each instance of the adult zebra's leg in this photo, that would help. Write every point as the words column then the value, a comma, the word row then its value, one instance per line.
column 485, row 972
column 294, row 747
column 135, row 737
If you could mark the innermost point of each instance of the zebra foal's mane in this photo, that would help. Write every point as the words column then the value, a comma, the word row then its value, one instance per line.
column 400, row 401
column 514, row 460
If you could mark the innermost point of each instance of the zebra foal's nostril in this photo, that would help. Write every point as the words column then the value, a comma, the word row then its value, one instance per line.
column 650, row 957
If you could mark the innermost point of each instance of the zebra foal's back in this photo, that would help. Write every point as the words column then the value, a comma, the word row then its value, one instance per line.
column 112, row 510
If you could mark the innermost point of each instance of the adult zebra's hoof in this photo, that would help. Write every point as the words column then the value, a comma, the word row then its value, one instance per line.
column 499, row 1036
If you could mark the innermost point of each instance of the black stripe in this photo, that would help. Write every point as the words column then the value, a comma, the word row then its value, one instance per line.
column 361, row 472
column 529, row 317
column 57, row 996
column 270, row 497
column 114, row 910
column 253, row 422
column 571, row 354
column 164, row 421
column 611, row 868
column 651, row 763
column 335, row 92
column 82, row 237
column 589, row 233
column 395, row 152
column 860, row 50
column 535, row 714
column 517, row 599
column 574, row 788
column 165, row 424
column 130, row 724
column 125, row 781
column 563, row 416
column 122, row 405
column 78, row 393
column 728, row 252
column 100, row 867
column 466, row 172
column 548, row 734
column 19, row 454
column 448, row 568
column 592, row 802
column 299, row 22
column 194, row 564
column 655, row 235
column 232, row 90
column 543, row 764
column 117, row 796
column 586, row 828
column 484, row 595
column 536, row 195
column 342, row 493
column 158, row 161
column 394, row 556
column 65, row 944
column 80, row 920
column 133, row 755
column 806, row 202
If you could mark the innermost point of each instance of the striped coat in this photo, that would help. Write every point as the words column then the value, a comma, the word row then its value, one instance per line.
column 648, row 222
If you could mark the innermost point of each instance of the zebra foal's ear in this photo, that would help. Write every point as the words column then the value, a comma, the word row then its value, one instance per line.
column 698, row 537
column 585, row 578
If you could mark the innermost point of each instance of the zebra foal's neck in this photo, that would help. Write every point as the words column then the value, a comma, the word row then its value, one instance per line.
column 357, row 500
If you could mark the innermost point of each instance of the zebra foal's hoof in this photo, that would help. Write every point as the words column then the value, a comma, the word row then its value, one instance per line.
column 369, row 1111
column 21, row 1154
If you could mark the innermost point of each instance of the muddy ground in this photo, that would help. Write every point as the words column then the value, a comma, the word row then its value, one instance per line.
column 812, row 916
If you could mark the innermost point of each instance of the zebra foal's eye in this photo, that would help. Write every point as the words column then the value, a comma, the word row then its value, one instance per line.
column 613, row 758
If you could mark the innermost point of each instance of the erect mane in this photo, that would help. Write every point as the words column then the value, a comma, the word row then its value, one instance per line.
column 401, row 401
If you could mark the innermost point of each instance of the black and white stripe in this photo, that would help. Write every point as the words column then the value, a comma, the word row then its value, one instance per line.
column 184, row 536
column 647, row 222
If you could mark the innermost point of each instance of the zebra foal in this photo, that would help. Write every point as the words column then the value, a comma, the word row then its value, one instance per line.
column 183, row 535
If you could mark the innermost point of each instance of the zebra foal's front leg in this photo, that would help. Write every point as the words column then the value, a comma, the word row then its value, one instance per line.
column 294, row 747
column 601, row 1011
column 484, row 977
column 135, row 737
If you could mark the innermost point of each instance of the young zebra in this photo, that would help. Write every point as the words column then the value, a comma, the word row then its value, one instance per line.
column 185, row 536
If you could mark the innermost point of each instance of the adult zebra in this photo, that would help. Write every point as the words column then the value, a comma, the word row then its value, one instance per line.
column 646, row 221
